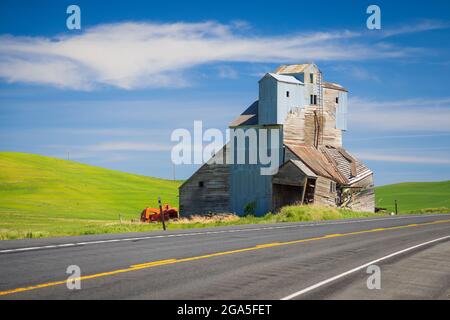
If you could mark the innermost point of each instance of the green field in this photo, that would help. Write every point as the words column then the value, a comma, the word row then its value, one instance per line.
column 48, row 196
column 415, row 197
column 42, row 197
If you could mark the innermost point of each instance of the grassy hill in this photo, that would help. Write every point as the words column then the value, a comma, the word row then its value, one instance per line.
column 415, row 196
column 42, row 194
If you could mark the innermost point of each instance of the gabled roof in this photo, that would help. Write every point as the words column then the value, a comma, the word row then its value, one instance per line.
column 247, row 118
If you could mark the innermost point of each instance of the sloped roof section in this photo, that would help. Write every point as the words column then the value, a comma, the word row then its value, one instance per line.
column 330, row 162
column 287, row 79
column 334, row 86
column 316, row 161
column 304, row 168
column 292, row 68
column 350, row 167
column 247, row 118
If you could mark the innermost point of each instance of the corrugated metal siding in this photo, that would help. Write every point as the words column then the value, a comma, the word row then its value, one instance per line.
column 287, row 104
column 267, row 111
column 248, row 185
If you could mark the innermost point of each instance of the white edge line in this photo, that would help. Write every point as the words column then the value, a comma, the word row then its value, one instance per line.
column 55, row 246
column 322, row 283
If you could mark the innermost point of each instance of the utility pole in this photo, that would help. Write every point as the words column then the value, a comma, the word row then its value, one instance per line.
column 161, row 214
column 173, row 171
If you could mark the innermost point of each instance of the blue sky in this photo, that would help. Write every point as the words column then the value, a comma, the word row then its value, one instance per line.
column 112, row 93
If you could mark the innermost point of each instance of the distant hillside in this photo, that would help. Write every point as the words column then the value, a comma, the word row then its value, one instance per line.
column 38, row 185
column 414, row 196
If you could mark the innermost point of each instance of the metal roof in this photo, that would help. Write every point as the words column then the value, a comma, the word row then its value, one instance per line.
column 315, row 160
column 292, row 68
column 247, row 118
column 335, row 86
column 330, row 162
column 304, row 168
column 287, row 79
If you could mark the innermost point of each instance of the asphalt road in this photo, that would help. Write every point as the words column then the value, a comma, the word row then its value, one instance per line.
column 326, row 260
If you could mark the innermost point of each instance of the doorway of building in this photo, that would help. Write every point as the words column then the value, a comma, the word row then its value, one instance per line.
column 284, row 195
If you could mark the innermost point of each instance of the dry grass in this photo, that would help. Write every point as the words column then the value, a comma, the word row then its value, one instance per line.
column 209, row 219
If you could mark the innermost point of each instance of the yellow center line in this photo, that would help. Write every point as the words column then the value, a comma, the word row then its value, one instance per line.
column 152, row 264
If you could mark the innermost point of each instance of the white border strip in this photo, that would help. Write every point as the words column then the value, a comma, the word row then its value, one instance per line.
column 75, row 244
column 322, row 283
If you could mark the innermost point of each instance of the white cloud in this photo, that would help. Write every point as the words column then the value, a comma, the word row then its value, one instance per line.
column 139, row 55
column 227, row 72
column 419, row 26
column 411, row 115
column 128, row 146
column 388, row 157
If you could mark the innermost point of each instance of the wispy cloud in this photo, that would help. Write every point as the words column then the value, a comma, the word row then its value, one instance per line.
column 227, row 72
column 411, row 115
column 406, row 136
column 387, row 157
column 127, row 146
column 415, row 27
column 139, row 55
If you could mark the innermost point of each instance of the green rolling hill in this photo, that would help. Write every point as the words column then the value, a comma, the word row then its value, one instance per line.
column 58, row 196
column 414, row 196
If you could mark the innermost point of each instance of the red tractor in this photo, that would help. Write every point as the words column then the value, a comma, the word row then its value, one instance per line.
column 152, row 214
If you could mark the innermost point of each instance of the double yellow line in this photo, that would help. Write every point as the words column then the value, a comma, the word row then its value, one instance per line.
column 212, row 255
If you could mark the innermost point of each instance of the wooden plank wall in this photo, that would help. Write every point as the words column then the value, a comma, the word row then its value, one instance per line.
column 289, row 174
column 299, row 126
column 323, row 195
column 364, row 198
column 331, row 135
column 214, row 195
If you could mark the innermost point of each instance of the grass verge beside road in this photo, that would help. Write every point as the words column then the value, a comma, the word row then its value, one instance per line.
column 43, row 227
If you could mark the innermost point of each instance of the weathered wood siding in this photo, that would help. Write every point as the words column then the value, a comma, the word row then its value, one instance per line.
column 285, row 195
column 364, row 196
column 294, row 127
column 300, row 125
column 331, row 135
column 322, row 194
column 289, row 174
column 206, row 191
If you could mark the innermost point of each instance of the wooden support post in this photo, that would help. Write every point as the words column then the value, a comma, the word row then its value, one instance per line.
column 396, row 208
column 304, row 190
column 161, row 215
